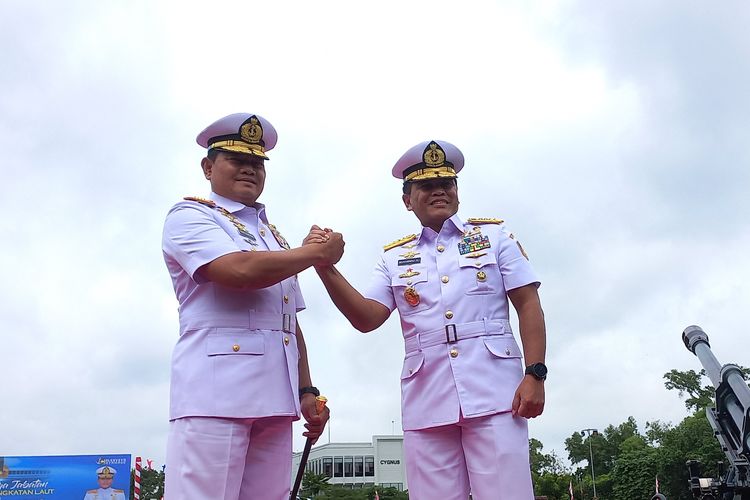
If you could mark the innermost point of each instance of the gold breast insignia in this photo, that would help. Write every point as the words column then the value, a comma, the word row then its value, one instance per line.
column 409, row 254
column 409, row 273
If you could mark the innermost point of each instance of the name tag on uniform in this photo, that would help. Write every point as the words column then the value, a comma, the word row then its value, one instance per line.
column 408, row 262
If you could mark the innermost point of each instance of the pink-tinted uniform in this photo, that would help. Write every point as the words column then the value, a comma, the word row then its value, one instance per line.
column 236, row 359
column 462, row 363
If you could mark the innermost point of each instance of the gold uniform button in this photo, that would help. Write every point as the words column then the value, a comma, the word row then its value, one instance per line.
column 262, row 232
column 481, row 276
column 440, row 248
column 454, row 353
column 286, row 299
column 236, row 347
column 286, row 340
column 448, row 314
column 445, row 279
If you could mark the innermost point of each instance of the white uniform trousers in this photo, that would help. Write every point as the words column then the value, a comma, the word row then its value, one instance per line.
column 229, row 459
column 488, row 456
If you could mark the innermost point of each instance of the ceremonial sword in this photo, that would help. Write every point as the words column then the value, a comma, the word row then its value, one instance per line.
column 320, row 404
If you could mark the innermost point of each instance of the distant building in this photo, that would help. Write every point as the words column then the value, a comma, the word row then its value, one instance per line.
column 358, row 465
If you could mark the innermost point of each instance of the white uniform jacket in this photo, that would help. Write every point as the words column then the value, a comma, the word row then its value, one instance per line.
column 237, row 352
column 450, row 291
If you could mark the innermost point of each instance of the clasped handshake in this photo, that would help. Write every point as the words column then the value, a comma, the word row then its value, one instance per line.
column 331, row 245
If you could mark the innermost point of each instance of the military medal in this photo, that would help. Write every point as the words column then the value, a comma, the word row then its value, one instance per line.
column 411, row 296
column 473, row 242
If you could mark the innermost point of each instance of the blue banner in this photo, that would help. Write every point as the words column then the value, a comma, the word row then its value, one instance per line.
column 65, row 477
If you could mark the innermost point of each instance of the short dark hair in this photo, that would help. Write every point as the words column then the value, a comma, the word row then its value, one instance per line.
column 212, row 154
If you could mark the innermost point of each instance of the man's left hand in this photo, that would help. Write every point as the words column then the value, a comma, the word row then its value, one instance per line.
column 528, row 401
column 315, row 422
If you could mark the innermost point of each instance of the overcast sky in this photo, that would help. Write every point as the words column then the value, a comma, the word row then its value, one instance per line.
column 611, row 137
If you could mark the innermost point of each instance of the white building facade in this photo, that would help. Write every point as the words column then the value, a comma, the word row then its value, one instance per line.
column 358, row 465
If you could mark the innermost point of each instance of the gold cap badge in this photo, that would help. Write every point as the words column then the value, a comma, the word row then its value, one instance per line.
column 249, row 140
column 433, row 166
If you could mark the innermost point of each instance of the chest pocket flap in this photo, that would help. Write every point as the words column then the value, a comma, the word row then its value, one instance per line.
column 488, row 259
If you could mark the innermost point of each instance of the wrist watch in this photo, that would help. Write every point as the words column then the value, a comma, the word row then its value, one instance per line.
column 537, row 370
column 309, row 390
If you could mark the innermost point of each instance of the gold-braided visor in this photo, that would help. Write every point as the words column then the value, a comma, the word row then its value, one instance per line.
column 240, row 147
column 431, row 173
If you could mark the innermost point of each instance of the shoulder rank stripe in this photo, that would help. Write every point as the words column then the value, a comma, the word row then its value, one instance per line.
column 203, row 201
column 398, row 243
column 484, row 220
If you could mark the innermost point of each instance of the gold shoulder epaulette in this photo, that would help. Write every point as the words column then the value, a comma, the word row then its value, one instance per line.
column 204, row 201
column 484, row 220
column 398, row 243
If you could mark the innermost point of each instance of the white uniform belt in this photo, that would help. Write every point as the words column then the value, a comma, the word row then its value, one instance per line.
column 248, row 319
column 453, row 333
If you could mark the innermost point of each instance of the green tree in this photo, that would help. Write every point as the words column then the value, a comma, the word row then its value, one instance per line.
column 606, row 448
column 340, row 492
column 313, row 484
column 635, row 469
column 689, row 382
column 152, row 483
column 692, row 439
column 549, row 475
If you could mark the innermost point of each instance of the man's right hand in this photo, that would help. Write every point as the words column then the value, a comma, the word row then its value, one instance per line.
column 331, row 249
column 317, row 235
column 331, row 245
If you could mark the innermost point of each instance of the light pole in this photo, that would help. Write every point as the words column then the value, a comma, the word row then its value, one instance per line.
column 591, row 432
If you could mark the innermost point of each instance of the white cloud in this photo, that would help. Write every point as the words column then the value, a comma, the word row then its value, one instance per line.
column 610, row 138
